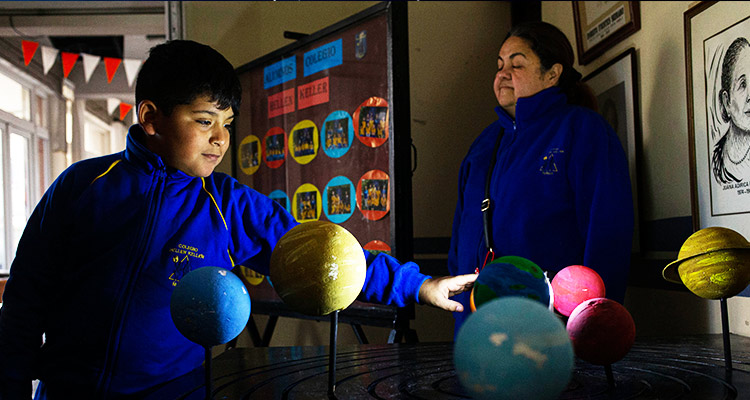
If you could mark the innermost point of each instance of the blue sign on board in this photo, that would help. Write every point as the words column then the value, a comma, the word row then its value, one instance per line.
column 324, row 57
column 279, row 72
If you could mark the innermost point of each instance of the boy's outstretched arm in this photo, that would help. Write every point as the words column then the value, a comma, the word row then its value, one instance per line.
column 436, row 291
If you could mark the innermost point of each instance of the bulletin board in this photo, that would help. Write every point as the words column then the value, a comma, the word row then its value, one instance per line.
column 324, row 128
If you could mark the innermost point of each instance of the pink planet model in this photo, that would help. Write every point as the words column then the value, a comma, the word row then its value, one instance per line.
column 575, row 284
column 602, row 331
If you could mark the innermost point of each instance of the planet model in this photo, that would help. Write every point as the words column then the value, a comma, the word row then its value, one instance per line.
column 513, row 348
column 602, row 331
column 510, row 276
column 575, row 284
column 318, row 267
column 713, row 263
column 210, row 306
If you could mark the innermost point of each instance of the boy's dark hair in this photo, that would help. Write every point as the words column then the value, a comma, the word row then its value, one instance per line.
column 178, row 71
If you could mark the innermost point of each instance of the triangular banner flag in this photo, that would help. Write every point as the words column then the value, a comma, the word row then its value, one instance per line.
column 124, row 109
column 68, row 61
column 111, row 105
column 29, row 49
column 111, row 64
column 49, row 55
column 131, row 69
column 89, row 65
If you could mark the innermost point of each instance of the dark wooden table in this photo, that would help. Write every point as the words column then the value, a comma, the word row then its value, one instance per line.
column 689, row 367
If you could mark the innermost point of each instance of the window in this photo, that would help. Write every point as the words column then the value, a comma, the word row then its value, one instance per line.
column 96, row 137
column 15, row 98
column 20, row 196
column 24, row 152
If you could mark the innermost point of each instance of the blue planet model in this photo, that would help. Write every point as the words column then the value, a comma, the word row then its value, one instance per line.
column 513, row 348
column 511, row 276
column 210, row 306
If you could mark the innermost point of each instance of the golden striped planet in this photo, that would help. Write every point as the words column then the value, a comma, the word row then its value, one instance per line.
column 713, row 263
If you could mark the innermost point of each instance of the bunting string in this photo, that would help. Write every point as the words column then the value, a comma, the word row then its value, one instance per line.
column 90, row 62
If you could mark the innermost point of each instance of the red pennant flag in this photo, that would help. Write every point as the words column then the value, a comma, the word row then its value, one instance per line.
column 68, row 61
column 29, row 49
column 124, row 110
column 111, row 65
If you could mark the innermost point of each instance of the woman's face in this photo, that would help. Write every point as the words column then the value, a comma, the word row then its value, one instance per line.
column 519, row 74
column 738, row 101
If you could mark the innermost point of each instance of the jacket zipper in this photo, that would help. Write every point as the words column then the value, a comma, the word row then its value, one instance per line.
column 123, row 302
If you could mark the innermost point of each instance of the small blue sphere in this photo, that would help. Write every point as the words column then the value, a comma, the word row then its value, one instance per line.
column 210, row 306
column 513, row 348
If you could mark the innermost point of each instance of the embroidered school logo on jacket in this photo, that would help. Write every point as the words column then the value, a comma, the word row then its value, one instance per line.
column 181, row 260
column 548, row 162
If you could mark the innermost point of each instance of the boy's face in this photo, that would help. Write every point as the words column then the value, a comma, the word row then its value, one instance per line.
column 193, row 138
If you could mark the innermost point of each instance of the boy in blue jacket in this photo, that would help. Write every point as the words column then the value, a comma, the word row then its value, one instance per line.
column 95, row 266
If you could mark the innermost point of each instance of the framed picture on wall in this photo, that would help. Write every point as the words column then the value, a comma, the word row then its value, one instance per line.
column 717, row 60
column 600, row 25
column 615, row 85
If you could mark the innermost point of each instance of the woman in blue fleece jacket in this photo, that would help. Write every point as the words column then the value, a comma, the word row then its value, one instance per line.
column 560, row 189
column 97, row 263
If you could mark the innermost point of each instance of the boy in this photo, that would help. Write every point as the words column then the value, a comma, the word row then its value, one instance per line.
column 95, row 267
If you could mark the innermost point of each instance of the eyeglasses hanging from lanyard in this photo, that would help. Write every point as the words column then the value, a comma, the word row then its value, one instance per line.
column 486, row 217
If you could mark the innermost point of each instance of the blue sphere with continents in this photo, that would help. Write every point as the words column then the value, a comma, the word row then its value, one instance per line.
column 513, row 348
column 210, row 306
column 511, row 276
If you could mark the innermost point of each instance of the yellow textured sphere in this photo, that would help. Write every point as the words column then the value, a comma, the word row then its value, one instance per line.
column 318, row 267
column 713, row 263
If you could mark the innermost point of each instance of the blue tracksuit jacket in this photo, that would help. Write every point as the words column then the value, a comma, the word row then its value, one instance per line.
column 96, row 265
column 560, row 194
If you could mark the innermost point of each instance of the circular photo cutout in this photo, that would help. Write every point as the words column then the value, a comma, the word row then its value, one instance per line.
column 248, row 154
column 303, row 142
column 377, row 246
column 374, row 194
column 306, row 205
column 339, row 199
column 337, row 134
column 371, row 122
column 280, row 197
column 274, row 147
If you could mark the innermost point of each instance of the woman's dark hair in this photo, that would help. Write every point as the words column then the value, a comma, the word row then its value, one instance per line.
column 178, row 71
column 552, row 47
column 727, row 69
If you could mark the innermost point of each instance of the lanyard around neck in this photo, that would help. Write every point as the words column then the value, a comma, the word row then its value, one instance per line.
column 486, row 217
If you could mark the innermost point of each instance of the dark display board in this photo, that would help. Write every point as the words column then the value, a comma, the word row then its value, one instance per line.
column 324, row 129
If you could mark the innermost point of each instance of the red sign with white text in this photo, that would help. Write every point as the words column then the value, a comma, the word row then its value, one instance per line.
column 313, row 93
column 281, row 103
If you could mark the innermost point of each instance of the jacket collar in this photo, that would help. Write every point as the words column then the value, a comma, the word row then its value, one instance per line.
column 138, row 154
column 529, row 109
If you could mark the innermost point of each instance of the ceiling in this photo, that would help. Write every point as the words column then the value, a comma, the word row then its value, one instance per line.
column 119, row 29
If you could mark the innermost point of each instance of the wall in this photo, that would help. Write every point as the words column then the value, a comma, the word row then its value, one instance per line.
column 664, row 176
column 452, row 57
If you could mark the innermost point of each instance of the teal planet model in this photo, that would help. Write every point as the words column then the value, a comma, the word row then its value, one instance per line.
column 210, row 306
column 513, row 348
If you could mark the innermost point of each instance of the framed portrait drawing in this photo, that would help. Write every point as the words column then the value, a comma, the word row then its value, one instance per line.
column 717, row 57
column 600, row 25
column 615, row 85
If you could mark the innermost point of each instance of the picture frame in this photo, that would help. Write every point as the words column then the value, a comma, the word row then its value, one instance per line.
column 615, row 85
column 719, row 184
column 599, row 25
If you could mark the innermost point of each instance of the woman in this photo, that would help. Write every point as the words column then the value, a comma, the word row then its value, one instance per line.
column 730, row 155
column 559, row 190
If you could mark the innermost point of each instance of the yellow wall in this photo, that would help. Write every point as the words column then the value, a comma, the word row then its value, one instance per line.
column 452, row 55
